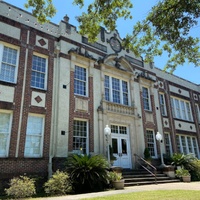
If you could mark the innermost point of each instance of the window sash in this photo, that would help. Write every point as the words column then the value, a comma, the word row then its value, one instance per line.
column 197, row 112
column 34, row 136
column 181, row 109
column 80, row 83
column 145, row 97
column 151, row 142
column 168, row 145
column 5, row 130
column 8, row 65
column 80, row 137
column 162, row 105
column 187, row 144
column 115, row 129
column 39, row 71
column 116, row 90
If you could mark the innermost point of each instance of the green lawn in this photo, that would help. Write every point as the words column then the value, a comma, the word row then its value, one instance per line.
column 155, row 195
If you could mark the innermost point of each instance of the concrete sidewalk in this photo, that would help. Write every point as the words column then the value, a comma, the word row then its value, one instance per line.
column 165, row 186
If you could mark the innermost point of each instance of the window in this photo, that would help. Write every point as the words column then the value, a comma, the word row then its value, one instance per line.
column 162, row 104
column 181, row 109
column 145, row 98
column 197, row 112
column 80, row 83
column 8, row 64
column 119, row 129
column 168, row 146
column 5, row 129
column 151, row 142
column 116, row 90
column 188, row 111
column 34, row 136
column 39, row 72
column 80, row 137
column 187, row 144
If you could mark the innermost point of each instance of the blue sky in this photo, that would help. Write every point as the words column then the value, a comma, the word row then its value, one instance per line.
column 140, row 10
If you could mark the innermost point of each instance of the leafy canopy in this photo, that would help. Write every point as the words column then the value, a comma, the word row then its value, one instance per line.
column 166, row 28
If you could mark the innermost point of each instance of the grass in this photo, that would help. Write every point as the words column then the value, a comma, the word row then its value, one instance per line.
column 154, row 195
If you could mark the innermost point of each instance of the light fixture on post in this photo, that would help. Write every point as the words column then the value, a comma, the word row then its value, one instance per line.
column 107, row 132
column 159, row 138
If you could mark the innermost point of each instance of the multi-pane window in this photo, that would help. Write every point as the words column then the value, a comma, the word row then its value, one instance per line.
column 80, row 137
column 119, row 129
column 181, row 109
column 5, row 129
column 178, row 144
column 8, row 64
column 145, row 98
column 116, row 90
column 34, row 136
column 187, row 144
column 189, row 114
column 168, row 146
column 184, row 146
column 80, row 83
column 197, row 112
column 162, row 104
column 151, row 142
column 195, row 147
column 39, row 72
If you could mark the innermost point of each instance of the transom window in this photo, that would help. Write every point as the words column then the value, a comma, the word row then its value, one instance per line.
column 181, row 109
column 119, row 129
column 146, row 98
column 39, row 72
column 80, row 137
column 8, row 64
column 34, row 136
column 151, row 142
column 116, row 90
column 5, row 129
column 162, row 104
column 80, row 83
column 187, row 144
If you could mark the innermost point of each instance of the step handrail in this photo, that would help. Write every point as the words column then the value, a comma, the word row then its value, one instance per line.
column 154, row 168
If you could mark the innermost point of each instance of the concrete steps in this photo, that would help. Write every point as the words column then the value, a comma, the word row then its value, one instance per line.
column 142, row 177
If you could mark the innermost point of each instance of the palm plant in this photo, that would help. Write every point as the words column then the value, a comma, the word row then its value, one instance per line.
column 87, row 173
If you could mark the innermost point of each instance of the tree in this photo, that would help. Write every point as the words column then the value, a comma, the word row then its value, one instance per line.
column 166, row 28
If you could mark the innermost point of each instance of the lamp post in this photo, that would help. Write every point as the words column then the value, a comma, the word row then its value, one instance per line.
column 159, row 138
column 107, row 132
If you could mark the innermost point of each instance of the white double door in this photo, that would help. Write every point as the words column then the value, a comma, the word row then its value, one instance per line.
column 121, row 150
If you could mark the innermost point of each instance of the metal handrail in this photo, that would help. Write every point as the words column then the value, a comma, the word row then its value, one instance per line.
column 149, row 164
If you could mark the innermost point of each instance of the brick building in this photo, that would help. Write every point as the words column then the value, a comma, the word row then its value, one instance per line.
column 58, row 92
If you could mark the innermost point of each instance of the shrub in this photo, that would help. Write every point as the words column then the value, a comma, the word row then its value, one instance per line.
column 21, row 187
column 195, row 170
column 87, row 173
column 183, row 160
column 59, row 184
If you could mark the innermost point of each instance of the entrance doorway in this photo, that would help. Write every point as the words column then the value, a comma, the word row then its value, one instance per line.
column 121, row 149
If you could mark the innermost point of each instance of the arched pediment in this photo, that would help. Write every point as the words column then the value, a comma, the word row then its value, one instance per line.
column 120, row 63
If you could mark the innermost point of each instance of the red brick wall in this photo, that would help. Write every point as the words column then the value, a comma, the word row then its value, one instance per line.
column 11, row 165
